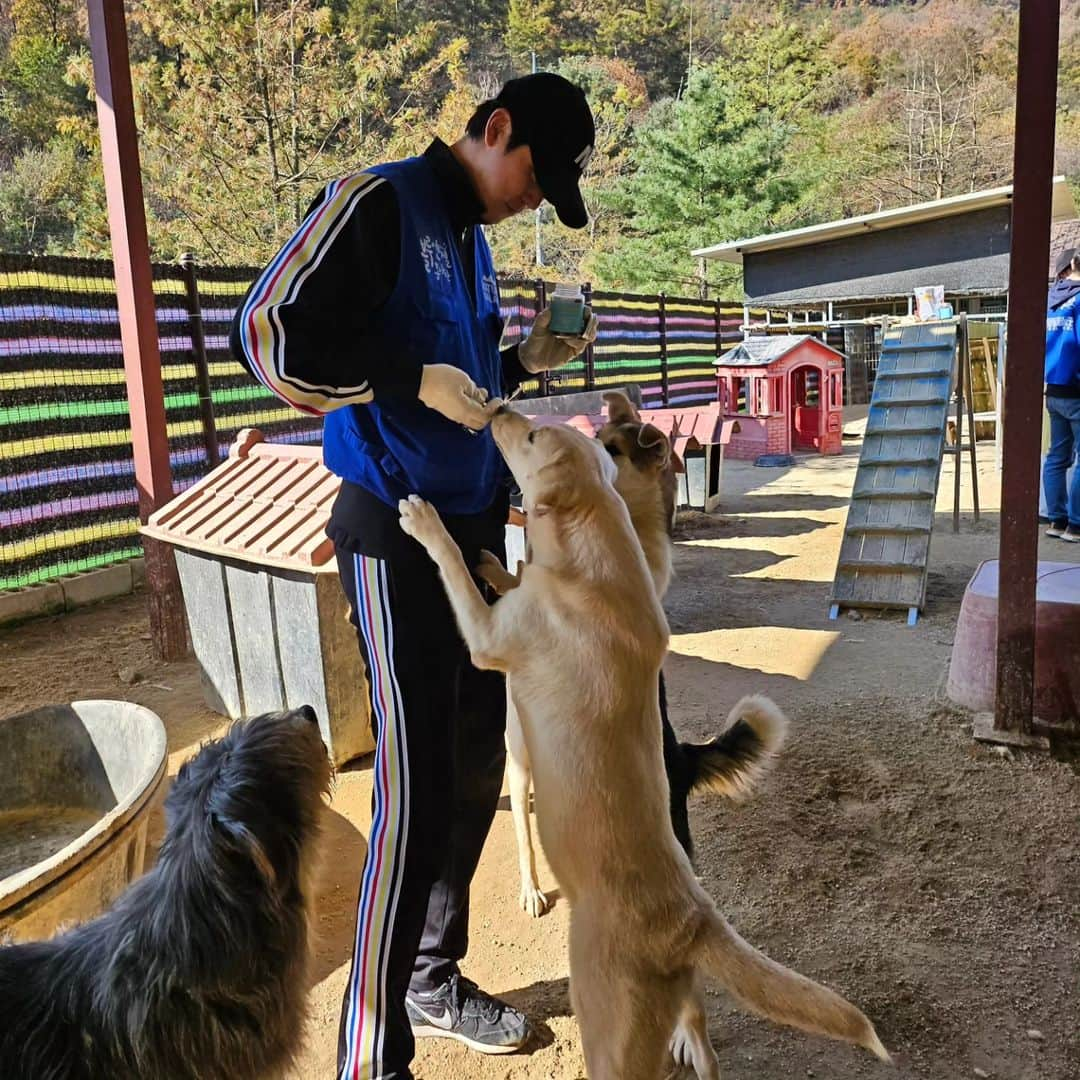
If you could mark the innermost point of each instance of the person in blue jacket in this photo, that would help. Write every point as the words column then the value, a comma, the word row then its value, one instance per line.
column 382, row 312
column 1062, row 376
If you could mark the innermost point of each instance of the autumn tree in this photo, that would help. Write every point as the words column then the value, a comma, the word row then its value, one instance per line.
column 34, row 92
column 245, row 111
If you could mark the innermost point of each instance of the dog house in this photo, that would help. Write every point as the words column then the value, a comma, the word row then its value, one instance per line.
column 267, row 616
column 786, row 392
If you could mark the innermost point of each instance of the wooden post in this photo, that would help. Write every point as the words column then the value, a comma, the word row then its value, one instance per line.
column 198, row 355
column 973, row 448
column 541, row 303
column 590, row 358
column 138, row 322
column 1033, row 155
column 958, row 437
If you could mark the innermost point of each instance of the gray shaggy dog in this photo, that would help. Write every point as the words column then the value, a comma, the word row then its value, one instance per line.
column 200, row 969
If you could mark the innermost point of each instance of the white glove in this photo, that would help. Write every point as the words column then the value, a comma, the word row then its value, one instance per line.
column 448, row 390
column 544, row 351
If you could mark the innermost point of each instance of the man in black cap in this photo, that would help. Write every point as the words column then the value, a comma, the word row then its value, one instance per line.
column 382, row 312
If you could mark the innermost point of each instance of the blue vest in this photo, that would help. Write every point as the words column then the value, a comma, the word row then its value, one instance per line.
column 395, row 447
column 1063, row 344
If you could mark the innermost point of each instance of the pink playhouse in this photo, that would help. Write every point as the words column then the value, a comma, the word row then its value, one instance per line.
column 786, row 392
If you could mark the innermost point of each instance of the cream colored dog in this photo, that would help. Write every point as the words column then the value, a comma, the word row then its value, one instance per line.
column 582, row 637
column 730, row 763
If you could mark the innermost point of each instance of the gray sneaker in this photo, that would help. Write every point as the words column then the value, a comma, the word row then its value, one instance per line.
column 1070, row 536
column 460, row 1010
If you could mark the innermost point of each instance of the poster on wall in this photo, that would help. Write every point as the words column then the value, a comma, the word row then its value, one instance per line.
column 929, row 299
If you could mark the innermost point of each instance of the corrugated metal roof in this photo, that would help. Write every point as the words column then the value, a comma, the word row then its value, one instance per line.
column 732, row 251
column 268, row 503
column 1063, row 234
column 761, row 351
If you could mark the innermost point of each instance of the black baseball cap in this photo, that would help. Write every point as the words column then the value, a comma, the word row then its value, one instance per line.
column 1064, row 261
column 550, row 114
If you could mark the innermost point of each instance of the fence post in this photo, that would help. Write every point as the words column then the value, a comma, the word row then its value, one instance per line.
column 665, row 389
column 720, row 346
column 198, row 353
column 541, row 303
column 590, row 360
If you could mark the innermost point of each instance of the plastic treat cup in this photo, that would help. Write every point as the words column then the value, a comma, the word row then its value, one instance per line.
column 567, row 310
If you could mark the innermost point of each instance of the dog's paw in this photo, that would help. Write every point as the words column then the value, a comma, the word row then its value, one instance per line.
column 420, row 520
column 488, row 559
column 692, row 1057
column 533, row 901
column 492, row 571
column 681, row 1052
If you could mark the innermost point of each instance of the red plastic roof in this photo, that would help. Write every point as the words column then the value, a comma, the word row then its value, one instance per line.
column 687, row 428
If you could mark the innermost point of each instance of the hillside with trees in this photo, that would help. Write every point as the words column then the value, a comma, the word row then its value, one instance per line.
column 715, row 119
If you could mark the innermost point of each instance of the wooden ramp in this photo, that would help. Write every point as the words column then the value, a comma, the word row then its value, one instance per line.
column 886, row 545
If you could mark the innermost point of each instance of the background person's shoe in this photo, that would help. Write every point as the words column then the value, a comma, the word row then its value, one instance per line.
column 1070, row 535
column 1056, row 531
column 460, row 1010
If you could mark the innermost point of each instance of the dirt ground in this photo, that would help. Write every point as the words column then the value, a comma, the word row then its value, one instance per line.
column 932, row 880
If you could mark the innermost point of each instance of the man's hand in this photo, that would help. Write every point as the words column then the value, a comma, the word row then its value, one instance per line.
column 448, row 390
column 544, row 351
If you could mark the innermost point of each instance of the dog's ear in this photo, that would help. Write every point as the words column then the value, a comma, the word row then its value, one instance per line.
column 655, row 445
column 620, row 409
column 240, row 838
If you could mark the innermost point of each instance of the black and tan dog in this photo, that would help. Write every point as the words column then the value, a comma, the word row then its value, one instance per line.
column 732, row 762
column 200, row 969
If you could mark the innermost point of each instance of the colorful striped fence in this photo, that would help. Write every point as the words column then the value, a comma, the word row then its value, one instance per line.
column 67, row 495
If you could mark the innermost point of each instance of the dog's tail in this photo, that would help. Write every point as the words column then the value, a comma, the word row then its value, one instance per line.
column 765, row 987
column 733, row 762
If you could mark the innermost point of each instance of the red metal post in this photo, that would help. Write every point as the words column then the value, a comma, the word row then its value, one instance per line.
column 1033, row 158
column 138, row 326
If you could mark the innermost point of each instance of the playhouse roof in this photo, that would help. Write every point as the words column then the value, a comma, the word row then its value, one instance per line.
column 762, row 351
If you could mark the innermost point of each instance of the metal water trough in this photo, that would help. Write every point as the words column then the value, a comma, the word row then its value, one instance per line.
column 76, row 791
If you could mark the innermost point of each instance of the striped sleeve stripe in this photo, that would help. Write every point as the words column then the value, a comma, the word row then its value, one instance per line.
column 261, row 330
